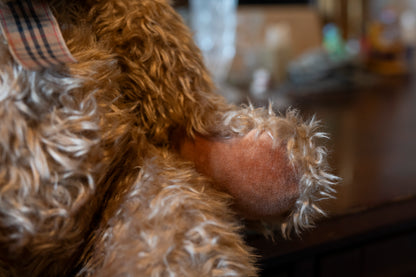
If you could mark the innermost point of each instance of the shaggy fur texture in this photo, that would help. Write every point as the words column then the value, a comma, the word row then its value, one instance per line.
column 89, row 182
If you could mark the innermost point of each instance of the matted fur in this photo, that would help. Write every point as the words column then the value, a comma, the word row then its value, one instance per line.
column 89, row 182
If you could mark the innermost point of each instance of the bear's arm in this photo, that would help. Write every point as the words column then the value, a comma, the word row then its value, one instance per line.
column 254, row 171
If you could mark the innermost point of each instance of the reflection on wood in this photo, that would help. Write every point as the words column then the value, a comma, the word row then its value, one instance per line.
column 371, row 230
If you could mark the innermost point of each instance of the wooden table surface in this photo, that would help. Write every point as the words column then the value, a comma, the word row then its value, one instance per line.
column 373, row 143
column 373, row 149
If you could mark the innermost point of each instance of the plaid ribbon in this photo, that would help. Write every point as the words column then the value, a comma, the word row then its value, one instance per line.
column 33, row 34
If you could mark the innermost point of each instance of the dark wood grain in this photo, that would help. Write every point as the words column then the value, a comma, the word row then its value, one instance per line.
column 371, row 228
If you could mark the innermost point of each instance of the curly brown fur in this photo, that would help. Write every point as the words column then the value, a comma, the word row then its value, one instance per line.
column 89, row 183
column 167, row 196
column 304, row 152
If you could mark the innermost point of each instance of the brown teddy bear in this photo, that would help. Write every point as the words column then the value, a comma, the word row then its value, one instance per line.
column 116, row 157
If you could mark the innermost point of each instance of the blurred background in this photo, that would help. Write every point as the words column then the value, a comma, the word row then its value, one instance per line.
column 352, row 64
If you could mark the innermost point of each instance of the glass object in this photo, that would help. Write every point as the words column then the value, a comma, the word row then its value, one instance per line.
column 214, row 23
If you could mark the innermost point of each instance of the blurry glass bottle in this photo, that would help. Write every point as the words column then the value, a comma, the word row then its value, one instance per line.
column 214, row 23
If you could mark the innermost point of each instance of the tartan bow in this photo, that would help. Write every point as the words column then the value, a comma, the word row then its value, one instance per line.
column 33, row 34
